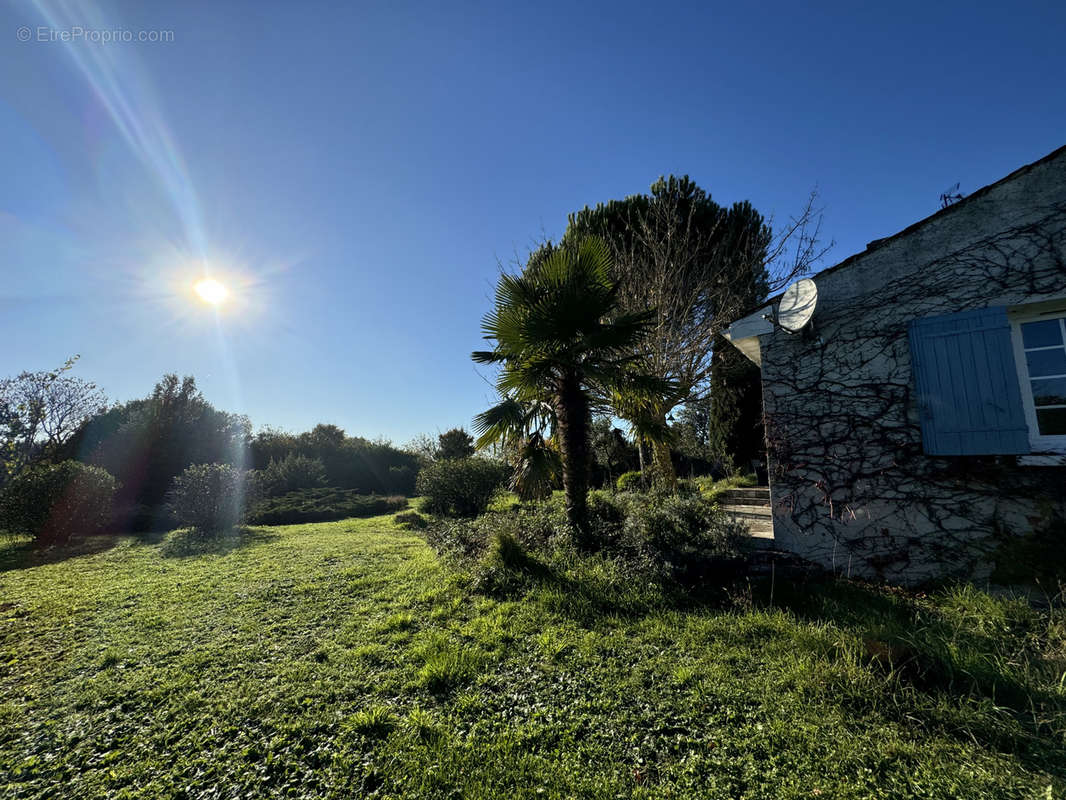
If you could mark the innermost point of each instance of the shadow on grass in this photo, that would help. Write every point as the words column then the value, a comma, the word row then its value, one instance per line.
column 589, row 590
column 986, row 670
column 964, row 664
column 189, row 542
column 22, row 552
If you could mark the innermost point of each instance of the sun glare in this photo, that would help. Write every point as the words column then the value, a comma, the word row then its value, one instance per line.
column 211, row 291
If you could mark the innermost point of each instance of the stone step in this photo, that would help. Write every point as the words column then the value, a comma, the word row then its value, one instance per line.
column 755, row 494
column 762, row 530
column 744, row 502
column 748, row 512
column 760, row 536
column 749, row 489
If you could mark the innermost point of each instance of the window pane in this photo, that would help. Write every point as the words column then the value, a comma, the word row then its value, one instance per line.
column 1041, row 334
column 1051, row 421
column 1049, row 392
column 1046, row 362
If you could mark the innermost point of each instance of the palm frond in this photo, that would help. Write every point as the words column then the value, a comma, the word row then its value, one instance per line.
column 623, row 334
column 488, row 357
column 503, row 422
column 537, row 467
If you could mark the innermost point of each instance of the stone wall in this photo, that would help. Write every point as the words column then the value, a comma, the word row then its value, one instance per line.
column 851, row 487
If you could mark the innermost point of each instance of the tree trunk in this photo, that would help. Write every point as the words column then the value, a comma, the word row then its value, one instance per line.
column 572, row 423
column 664, row 474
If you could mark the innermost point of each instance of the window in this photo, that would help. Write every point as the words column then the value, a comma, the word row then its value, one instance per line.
column 966, row 380
column 1040, row 353
column 992, row 381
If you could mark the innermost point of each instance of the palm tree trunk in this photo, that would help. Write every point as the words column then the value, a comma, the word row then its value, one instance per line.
column 572, row 423
column 665, row 475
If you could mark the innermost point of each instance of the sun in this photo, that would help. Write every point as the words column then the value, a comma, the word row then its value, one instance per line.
column 211, row 291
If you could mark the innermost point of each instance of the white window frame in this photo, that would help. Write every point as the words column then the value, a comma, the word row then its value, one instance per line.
column 1049, row 450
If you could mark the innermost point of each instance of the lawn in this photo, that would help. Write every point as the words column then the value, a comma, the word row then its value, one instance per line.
column 342, row 659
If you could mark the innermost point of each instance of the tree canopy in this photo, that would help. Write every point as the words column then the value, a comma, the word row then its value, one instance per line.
column 40, row 412
column 454, row 444
column 146, row 443
column 698, row 265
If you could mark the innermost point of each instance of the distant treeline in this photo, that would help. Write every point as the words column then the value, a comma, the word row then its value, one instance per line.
column 145, row 443
column 350, row 462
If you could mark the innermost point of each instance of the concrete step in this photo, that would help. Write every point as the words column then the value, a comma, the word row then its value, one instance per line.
column 748, row 512
column 759, row 495
column 744, row 502
column 763, row 531
column 760, row 537
column 750, row 490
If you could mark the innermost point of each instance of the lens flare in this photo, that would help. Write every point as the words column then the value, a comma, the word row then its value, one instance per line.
column 211, row 291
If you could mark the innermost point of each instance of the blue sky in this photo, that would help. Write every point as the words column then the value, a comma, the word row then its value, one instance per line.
column 356, row 174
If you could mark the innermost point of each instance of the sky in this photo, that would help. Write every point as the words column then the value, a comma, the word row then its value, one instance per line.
column 358, row 174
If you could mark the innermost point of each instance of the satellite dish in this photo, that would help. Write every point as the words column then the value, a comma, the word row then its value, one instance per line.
column 796, row 306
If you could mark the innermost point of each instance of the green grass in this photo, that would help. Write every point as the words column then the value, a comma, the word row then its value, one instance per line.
column 712, row 489
column 343, row 660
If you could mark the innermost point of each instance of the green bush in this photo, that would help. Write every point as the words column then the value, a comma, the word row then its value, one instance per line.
column 535, row 526
column 461, row 487
column 56, row 502
column 411, row 520
column 630, row 481
column 680, row 535
column 322, row 505
column 139, row 517
column 607, row 514
column 713, row 489
column 290, row 474
column 400, row 480
column 458, row 538
column 209, row 497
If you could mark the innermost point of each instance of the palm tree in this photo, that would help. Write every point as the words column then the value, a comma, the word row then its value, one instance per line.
column 565, row 352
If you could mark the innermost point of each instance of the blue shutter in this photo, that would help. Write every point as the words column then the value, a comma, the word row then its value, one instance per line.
column 968, row 393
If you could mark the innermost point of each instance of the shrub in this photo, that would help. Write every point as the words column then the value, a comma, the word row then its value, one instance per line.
column 534, row 526
column 210, row 497
column 607, row 514
column 653, row 538
column 411, row 520
column 680, row 535
column 290, row 474
column 454, row 444
column 56, row 502
column 461, row 487
column 400, row 480
column 630, row 481
column 138, row 517
column 462, row 539
column 322, row 505
column 713, row 489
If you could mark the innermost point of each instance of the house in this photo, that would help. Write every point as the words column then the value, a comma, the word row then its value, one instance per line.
column 916, row 427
